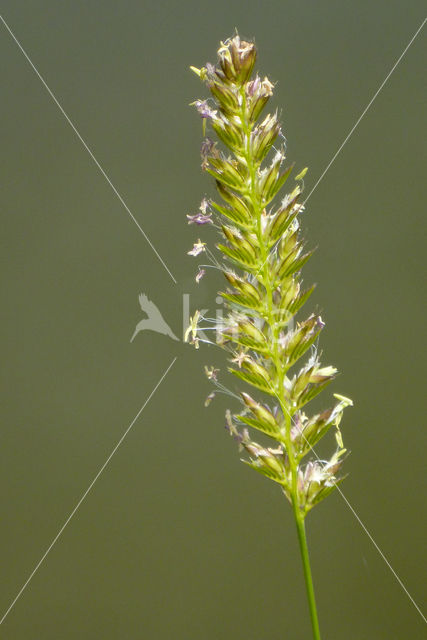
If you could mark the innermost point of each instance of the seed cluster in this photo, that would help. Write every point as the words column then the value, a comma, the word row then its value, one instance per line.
column 262, row 257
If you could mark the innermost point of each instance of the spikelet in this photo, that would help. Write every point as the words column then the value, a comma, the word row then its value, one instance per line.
column 262, row 257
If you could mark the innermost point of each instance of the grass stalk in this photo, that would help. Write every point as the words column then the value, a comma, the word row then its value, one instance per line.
column 262, row 254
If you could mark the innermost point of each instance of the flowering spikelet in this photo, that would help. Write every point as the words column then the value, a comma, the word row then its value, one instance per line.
column 262, row 257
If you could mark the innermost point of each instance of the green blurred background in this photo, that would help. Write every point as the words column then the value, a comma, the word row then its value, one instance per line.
column 177, row 539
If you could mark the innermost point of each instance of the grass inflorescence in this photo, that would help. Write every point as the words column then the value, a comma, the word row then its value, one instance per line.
column 261, row 254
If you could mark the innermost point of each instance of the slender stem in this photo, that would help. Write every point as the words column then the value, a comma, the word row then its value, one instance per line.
column 302, row 538
column 266, row 280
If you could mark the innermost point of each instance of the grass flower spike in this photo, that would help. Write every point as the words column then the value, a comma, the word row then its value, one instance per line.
column 261, row 254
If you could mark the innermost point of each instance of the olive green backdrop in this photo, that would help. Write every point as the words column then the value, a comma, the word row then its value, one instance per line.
column 177, row 539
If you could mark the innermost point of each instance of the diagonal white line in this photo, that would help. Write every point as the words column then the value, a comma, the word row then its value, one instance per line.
column 357, row 123
column 346, row 139
column 365, row 529
column 353, row 511
column 379, row 551
column 50, row 92
column 58, row 535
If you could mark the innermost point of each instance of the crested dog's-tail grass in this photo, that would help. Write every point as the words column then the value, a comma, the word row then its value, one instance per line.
column 261, row 253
